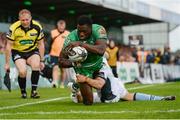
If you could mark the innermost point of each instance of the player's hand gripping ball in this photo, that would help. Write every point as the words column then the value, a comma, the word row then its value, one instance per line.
column 77, row 54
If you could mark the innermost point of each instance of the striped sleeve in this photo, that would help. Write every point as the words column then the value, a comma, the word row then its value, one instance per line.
column 10, row 33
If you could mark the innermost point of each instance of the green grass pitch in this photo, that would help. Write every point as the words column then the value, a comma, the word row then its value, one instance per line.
column 56, row 104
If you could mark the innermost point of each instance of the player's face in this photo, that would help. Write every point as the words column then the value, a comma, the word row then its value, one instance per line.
column 61, row 26
column 111, row 44
column 84, row 31
column 25, row 20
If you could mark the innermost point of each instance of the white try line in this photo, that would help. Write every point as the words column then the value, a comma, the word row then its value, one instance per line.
column 32, row 103
column 145, row 86
column 89, row 112
column 55, row 99
column 140, row 87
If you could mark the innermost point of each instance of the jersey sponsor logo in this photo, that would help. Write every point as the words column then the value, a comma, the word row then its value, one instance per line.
column 25, row 42
column 33, row 34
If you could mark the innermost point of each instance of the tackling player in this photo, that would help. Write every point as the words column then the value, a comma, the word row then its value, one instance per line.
column 118, row 89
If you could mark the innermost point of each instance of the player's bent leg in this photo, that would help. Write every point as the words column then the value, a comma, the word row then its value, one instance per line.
column 34, row 62
column 21, row 66
column 87, row 94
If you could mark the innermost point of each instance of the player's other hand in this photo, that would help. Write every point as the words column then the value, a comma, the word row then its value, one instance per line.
column 42, row 65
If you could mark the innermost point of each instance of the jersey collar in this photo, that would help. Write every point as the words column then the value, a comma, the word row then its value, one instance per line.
column 27, row 29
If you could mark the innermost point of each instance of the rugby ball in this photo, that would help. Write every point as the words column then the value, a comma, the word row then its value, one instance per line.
column 77, row 54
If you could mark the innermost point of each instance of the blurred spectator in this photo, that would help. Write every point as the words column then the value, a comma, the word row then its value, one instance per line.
column 166, row 56
column 112, row 51
column 142, row 55
column 122, row 59
column 150, row 57
column 172, row 60
column 158, row 57
column 134, row 54
column 129, row 58
column 58, row 36
column 177, row 60
column 127, row 54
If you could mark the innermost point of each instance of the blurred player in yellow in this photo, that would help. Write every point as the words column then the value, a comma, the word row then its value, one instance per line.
column 112, row 51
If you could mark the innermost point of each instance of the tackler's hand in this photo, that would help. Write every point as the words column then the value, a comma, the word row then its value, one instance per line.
column 81, row 78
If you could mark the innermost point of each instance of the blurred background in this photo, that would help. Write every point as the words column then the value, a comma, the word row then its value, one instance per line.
column 134, row 25
column 157, row 20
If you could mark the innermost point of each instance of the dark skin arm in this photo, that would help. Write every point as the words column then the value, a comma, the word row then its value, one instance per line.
column 63, row 59
column 99, row 48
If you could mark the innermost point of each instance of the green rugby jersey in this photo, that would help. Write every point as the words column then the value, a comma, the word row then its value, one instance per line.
column 94, row 61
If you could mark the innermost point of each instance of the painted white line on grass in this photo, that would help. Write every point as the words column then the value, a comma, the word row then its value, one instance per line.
column 55, row 99
column 89, row 112
column 140, row 87
column 145, row 86
column 32, row 103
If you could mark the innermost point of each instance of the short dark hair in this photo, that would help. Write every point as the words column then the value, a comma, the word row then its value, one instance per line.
column 60, row 21
column 84, row 20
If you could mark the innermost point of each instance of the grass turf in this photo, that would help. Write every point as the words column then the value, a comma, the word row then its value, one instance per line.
column 56, row 104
